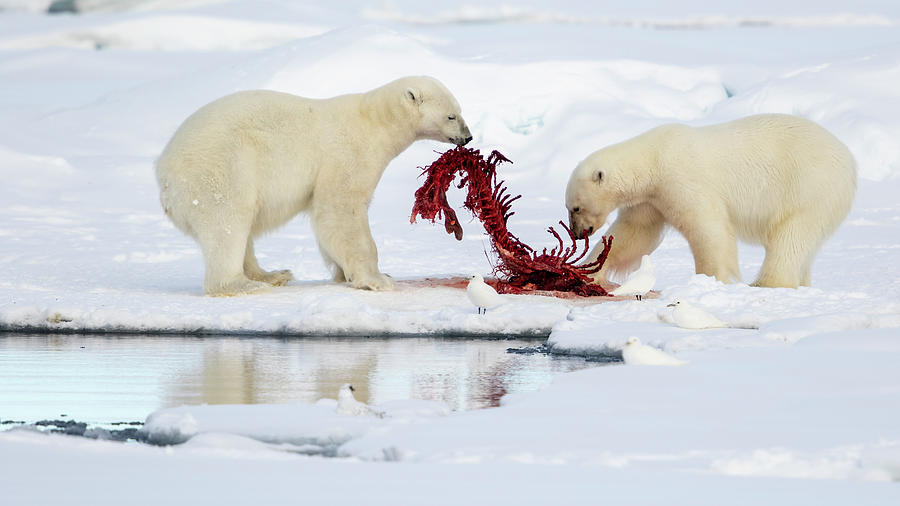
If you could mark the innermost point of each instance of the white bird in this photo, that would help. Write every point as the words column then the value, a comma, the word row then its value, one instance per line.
column 640, row 282
column 635, row 353
column 348, row 405
column 482, row 295
column 687, row 316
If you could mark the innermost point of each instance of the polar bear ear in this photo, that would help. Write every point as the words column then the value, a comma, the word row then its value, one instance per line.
column 414, row 95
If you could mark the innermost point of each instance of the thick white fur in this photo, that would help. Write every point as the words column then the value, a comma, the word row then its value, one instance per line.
column 777, row 180
column 249, row 162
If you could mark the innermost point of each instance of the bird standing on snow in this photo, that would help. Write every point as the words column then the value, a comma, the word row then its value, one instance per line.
column 348, row 405
column 687, row 316
column 482, row 295
column 635, row 353
column 640, row 282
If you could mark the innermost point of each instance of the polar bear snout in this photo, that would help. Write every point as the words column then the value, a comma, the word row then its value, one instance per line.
column 585, row 221
column 579, row 226
column 464, row 137
column 461, row 141
column 580, row 231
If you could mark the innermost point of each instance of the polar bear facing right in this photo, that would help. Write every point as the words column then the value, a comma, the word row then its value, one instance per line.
column 777, row 180
column 248, row 162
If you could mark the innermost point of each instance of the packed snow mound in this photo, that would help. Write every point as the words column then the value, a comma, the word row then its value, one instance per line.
column 356, row 59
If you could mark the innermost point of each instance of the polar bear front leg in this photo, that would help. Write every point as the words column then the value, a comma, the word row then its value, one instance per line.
column 637, row 231
column 253, row 271
column 342, row 229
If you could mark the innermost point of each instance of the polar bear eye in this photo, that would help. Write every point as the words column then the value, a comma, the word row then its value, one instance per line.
column 599, row 176
column 451, row 117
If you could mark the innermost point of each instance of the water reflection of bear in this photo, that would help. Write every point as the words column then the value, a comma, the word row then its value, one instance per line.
column 464, row 374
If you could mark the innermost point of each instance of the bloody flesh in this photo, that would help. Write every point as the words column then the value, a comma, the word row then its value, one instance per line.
column 519, row 268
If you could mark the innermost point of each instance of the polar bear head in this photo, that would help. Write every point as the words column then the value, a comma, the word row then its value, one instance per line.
column 610, row 178
column 434, row 110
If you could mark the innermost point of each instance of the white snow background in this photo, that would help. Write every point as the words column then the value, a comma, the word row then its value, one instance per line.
column 801, row 405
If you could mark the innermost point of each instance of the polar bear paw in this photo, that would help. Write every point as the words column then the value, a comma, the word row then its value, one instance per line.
column 274, row 278
column 238, row 287
column 378, row 282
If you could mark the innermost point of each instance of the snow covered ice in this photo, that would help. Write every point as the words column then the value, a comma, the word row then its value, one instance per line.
column 797, row 402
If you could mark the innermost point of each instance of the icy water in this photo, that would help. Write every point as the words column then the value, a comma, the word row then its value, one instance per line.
column 102, row 380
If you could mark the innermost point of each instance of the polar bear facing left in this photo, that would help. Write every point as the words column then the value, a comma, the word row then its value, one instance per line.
column 772, row 179
column 249, row 162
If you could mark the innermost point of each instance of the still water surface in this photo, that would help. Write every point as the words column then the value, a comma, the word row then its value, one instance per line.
column 101, row 379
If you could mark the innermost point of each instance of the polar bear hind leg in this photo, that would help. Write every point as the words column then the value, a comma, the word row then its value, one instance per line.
column 224, row 249
column 253, row 271
column 789, row 254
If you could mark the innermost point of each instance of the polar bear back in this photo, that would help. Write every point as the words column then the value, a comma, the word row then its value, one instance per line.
column 762, row 167
column 236, row 145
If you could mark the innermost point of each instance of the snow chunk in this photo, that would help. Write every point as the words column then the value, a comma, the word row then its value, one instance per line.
column 306, row 428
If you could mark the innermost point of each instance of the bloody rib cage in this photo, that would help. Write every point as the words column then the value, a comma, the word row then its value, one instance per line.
column 519, row 268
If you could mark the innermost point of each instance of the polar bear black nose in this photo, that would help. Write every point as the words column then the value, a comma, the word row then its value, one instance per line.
column 468, row 139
